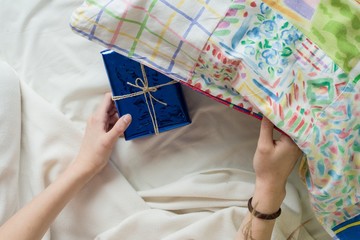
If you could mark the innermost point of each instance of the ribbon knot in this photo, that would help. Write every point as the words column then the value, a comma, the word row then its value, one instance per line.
column 147, row 91
column 145, row 85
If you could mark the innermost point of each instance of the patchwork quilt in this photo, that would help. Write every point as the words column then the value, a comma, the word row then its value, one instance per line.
column 295, row 62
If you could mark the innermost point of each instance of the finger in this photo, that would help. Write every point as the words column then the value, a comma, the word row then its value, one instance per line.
column 266, row 133
column 112, row 122
column 119, row 128
column 104, row 107
column 112, row 111
column 285, row 139
column 113, row 119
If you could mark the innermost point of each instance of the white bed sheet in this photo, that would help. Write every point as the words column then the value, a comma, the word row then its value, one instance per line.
column 180, row 184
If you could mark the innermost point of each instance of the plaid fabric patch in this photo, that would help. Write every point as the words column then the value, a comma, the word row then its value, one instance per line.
column 171, row 43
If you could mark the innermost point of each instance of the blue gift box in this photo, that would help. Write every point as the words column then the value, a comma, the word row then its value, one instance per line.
column 155, row 102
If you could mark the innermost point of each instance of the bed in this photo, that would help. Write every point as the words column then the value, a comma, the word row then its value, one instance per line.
column 188, row 183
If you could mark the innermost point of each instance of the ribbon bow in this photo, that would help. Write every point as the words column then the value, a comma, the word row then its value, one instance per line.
column 143, row 85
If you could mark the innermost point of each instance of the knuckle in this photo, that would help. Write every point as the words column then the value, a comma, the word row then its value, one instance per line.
column 263, row 149
column 93, row 119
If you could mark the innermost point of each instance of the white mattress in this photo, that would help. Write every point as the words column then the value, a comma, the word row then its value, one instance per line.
column 192, row 182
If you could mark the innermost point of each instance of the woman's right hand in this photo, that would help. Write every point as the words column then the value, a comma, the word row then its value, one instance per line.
column 274, row 159
column 273, row 162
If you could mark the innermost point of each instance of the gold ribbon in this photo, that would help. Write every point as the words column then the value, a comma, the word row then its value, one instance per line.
column 143, row 85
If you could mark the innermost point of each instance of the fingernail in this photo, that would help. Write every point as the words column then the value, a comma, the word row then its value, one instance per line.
column 126, row 118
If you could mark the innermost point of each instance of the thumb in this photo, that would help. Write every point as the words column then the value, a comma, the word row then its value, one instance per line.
column 266, row 132
column 120, row 126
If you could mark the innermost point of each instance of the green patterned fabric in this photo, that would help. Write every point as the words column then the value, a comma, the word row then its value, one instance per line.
column 334, row 25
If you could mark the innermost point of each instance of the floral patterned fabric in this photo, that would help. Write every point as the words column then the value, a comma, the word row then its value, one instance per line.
column 276, row 69
column 262, row 59
column 328, row 23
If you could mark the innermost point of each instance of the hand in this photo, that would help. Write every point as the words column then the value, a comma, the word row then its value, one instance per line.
column 102, row 131
column 274, row 160
column 273, row 163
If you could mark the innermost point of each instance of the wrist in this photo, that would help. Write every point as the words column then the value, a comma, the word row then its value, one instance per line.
column 268, row 198
column 270, row 186
column 81, row 168
column 91, row 162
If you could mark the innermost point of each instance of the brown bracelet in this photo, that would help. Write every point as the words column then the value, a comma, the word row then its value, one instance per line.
column 262, row 215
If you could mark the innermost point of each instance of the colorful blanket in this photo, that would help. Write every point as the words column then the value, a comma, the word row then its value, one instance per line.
column 296, row 62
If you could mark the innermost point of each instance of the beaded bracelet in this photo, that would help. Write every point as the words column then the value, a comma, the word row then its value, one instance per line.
column 262, row 215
